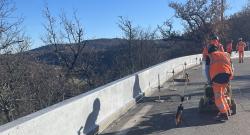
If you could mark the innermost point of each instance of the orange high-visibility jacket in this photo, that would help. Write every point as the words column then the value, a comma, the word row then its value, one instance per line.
column 241, row 46
column 219, row 63
column 229, row 47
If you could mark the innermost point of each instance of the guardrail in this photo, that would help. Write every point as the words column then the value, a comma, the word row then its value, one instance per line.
column 95, row 110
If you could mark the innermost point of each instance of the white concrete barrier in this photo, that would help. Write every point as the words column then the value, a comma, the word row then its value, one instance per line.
column 235, row 55
column 95, row 110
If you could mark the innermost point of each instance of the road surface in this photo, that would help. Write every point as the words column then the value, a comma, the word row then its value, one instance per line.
column 152, row 116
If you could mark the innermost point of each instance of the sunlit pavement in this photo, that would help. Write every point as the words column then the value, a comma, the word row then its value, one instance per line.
column 153, row 116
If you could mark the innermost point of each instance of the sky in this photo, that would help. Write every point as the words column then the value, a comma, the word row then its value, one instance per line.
column 100, row 17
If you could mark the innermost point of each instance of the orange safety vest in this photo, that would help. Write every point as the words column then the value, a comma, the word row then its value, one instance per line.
column 219, row 63
column 241, row 46
column 229, row 47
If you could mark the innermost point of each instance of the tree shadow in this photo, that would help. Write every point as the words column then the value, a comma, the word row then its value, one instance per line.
column 161, row 122
column 91, row 127
column 137, row 92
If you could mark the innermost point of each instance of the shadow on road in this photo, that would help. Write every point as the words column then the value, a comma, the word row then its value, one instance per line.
column 191, row 83
column 242, row 93
column 161, row 122
column 170, row 97
column 242, row 78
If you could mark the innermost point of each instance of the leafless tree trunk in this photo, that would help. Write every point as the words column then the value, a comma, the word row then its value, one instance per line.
column 130, row 34
column 67, row 38
column 146, row 48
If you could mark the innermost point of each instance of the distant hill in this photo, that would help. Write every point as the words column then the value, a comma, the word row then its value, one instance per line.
column 100, row 46
column 47, row 53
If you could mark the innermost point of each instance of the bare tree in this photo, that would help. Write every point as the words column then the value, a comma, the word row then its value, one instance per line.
column 238, row 24
column 168, row 33
column 146, row 48
column 12, row 43
column 200, row 17
column 10, row 26
column 10, row 80
column 130, row 34
column 68, row 39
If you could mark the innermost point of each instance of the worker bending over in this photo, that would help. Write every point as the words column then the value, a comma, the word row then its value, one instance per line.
column 220, row 72
column 214, row 40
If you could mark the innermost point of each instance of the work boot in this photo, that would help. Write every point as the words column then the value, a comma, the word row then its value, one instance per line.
column 222, row 117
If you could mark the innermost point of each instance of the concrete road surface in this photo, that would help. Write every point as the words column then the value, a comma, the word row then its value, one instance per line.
column 152, row 116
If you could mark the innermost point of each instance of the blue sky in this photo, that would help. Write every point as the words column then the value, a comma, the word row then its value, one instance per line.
column 100, row 17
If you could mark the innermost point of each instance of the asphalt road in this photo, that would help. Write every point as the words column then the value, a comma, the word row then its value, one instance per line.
column 155, row 114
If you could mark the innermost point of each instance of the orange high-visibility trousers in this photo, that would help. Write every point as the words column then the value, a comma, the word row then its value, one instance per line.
column 220, row 99
column 241, row 56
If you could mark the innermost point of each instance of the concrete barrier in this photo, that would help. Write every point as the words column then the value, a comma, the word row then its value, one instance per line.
column 235, row 55
column 95, row 110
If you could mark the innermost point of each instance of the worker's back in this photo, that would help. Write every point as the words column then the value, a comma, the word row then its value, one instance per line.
column 219, row 63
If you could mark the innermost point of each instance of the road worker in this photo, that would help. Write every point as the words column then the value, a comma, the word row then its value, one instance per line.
column 214, row 40
column 230, row 47
column 220, row 72
column 240, row 48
